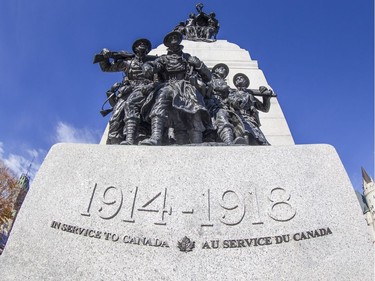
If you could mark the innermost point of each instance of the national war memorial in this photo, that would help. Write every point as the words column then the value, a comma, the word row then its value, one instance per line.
column 196, row 177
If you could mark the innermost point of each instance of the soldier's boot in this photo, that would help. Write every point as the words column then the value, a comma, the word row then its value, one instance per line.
column 131, row 126
column 249, row 139
column 240, row 140
column 226, row 135
column 157, row 127
column 195, row 136
column 113, row 140
column 181, row 137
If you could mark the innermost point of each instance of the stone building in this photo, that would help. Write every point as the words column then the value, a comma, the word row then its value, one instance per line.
column 367, row 202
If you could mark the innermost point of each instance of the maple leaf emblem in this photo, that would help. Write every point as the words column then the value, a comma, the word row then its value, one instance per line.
column 186, row 245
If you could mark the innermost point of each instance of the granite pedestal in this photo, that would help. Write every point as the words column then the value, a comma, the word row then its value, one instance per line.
column 99, row 212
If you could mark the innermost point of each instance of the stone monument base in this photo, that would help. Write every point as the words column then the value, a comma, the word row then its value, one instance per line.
column 99, row 212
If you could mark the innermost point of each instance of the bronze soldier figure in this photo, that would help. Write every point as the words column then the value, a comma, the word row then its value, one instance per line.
column 190, row 27
column 212, row 26
column 135, row 88
column 246, row 106
column 178, row 101
column 217, row 107
column 116, row 97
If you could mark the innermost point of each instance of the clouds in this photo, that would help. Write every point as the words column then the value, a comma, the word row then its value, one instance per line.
column 28, row 160
column 24, row 161
column 69, row 134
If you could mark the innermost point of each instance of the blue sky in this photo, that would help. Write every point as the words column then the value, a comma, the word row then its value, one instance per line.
column 317, row 55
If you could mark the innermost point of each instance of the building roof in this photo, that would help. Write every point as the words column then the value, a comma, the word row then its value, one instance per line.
column 362, row 202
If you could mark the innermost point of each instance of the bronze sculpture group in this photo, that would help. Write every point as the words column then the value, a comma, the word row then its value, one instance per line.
column 176, row 99
column 199, row 27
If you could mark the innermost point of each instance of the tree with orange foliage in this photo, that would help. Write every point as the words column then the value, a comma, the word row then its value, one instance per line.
column 9, row 191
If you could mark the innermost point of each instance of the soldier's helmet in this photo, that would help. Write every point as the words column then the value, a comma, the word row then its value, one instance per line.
column 172, row 38
column 141, row 41
column 219, row 65
column 246, row 81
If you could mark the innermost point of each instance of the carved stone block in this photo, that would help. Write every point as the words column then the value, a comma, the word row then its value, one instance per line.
column 189, row 213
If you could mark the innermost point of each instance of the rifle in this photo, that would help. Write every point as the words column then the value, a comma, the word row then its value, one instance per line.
column 105, row 112
column 266, row 93
column 114, row 55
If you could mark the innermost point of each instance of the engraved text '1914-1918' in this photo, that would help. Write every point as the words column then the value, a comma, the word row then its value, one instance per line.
column 228, row 206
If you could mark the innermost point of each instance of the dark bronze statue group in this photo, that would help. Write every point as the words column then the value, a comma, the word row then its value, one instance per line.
column 175, row 99
column 199, row 27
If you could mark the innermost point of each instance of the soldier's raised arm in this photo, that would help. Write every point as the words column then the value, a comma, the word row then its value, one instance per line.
column 201, row 68
column 113, row 61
